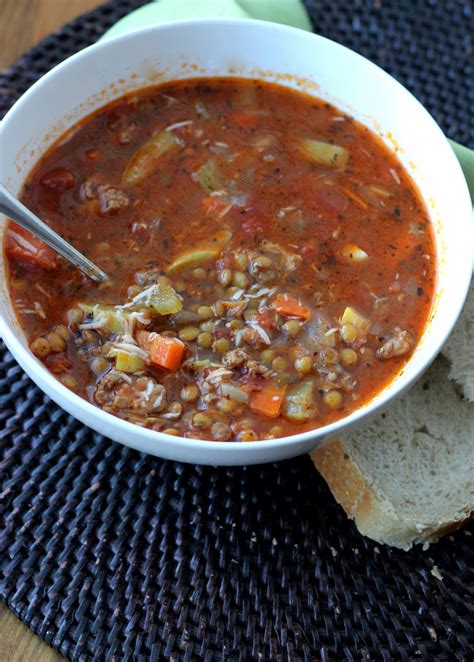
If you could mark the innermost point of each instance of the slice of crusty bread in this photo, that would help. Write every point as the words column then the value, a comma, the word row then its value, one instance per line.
column 460, row 348
column 408, row 476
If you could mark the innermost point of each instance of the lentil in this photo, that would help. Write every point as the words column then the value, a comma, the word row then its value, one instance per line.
column 333, row 399
column 221, row 432
column 205, row 312
column 241, row 261
column 292, row 327
column 227, row 405
column 224, row 277
column 199, row 274
column 221, row 345
column 63, row 331
column 202, row 421
column 56, row 342
column 208, row 327
column 279, row 364
column 304, row 365
column 69, row 382
column 267, row 355
column 41, row 347
column 329, row 356
column 205, row 340
column 240, row 280
column 175, row 409
column 248, row 435
column 188, row 333
column 348, row 356
column 190, row 393
column 261, row 262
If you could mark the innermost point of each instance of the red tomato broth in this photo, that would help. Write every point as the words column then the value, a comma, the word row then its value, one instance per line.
column 271, row 193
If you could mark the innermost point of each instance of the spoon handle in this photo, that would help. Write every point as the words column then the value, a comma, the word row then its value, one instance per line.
column 17, row 211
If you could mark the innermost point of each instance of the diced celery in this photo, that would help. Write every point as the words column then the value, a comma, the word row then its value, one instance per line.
column 126, row 362
column 160, row 297
column 299, row 403
column 234, row 392
column 324, row 153
column 352, row 316
column 145, row 160
column 208, row 176
column 194, row 257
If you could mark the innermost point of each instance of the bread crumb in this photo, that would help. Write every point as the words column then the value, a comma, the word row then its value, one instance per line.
column 436, row 573
column 433, row 634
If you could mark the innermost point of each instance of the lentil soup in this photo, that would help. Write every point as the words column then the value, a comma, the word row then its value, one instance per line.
column 272, row 265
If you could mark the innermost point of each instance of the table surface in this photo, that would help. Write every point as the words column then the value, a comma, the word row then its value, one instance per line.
column 23, row 23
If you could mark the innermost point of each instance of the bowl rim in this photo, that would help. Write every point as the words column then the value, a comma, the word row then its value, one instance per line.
column 85, row 411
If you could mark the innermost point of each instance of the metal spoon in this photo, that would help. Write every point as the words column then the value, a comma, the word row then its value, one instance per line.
column 17, row 211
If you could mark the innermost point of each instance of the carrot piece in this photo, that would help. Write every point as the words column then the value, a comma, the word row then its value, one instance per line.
column 288, row 305
column 21, row 245
column 163, row 351
column 214, row 206
column 268, row 401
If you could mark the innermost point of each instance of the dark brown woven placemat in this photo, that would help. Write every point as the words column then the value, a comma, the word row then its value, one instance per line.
column 109, row 554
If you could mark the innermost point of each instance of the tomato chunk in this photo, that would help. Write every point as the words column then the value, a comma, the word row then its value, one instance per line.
column 58, row 179
column 21, row 245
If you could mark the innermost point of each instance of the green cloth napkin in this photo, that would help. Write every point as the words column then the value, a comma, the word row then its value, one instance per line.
column 288, row 12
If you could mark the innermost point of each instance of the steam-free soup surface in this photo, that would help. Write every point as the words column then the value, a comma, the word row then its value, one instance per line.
column 271, row 264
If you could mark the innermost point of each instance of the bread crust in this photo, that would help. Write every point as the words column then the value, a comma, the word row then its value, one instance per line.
column 373, row 517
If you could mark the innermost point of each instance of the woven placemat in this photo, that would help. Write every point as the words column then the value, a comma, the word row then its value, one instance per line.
column 109, row 554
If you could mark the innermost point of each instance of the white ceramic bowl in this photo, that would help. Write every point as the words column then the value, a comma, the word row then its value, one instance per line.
column 271, row 52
